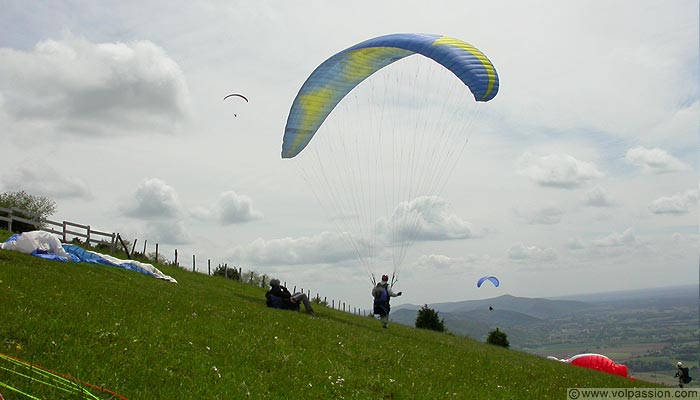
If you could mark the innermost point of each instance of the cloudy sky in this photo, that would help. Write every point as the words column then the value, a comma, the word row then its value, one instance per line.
column 580, row 176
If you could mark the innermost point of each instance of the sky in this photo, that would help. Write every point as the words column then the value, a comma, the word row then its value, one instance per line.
column 580, row 176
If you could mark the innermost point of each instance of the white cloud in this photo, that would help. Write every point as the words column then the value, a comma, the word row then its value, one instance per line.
column 654, row 161
column 425, row 218
column 557, row 170
column 325, row 247
column 76, row 86
column 43, row 180
column 168, row 232
column 575, row 244
column 520, row 252
column 679, row 203
column 154, row 199
column 626, row 238
column 441, row 262
column 230, row 208
column 543, row 216
column 201, row 213
column 690, row 239
column 233, row 208
column 598, row 197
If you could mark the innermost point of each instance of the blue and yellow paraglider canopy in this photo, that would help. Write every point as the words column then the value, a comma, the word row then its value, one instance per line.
column 491, row 279
column 339, row 74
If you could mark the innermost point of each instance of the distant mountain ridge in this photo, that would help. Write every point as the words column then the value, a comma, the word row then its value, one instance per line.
column 534, row 307
column 565, row 304
column 531, row 322
column 690, row 291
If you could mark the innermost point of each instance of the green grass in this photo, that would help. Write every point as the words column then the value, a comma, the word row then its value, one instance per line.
column 207, row 337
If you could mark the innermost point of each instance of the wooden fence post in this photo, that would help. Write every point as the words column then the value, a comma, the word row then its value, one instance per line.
column 144, row 247
column 156, row 252
column 126, row 249
column 87, row 239
column 64, row 234
column 134, row 246
column 176, row 264
column 193, row 263
column 209, row 266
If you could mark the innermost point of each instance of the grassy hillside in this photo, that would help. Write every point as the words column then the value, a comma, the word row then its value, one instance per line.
column 207, row 337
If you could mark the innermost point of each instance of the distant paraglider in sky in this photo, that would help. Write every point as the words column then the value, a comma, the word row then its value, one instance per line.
column 491, row 279
column 236, row 95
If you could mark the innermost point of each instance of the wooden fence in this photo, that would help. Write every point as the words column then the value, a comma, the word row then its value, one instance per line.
column 64, row 229
column 68, row 230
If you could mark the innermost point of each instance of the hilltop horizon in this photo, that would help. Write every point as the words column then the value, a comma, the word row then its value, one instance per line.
column 687, row 289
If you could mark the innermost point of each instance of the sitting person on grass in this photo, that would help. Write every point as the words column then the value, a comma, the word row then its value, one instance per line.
column 279, row 297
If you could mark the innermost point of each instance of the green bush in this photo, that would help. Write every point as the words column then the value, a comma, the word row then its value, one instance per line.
column 429, row 319
column 318, row 300
column 498, row 338
column 225, row 272
column 37, row 207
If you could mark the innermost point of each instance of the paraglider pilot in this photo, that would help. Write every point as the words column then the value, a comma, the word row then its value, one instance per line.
column 279, row 297
column 382, row 293
column 683, row 375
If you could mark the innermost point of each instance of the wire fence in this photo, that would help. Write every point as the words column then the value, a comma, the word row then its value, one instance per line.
column 17, row 220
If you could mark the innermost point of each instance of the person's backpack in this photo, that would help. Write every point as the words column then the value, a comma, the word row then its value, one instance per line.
column 273, row 301
column 381, row 301
column 280, row 302
column 380, row 296
column 686, row 375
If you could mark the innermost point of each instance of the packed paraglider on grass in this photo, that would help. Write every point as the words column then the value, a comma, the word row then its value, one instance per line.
column 598, row 362
column 48, row 246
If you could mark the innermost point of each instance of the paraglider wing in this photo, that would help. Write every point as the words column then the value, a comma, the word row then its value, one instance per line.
column 338, row 75
column 491, row 279
column 598, row 362
column 237, row 95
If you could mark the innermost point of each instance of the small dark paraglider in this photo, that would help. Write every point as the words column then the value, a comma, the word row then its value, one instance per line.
column 236, row 95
